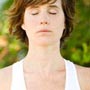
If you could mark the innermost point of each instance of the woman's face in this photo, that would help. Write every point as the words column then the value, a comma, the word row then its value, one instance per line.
column 48, row 17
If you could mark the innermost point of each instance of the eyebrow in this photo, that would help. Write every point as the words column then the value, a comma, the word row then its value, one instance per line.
column 50, row 5
column 54, row 6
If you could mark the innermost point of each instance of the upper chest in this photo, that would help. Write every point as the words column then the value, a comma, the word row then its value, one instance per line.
column 42, row 81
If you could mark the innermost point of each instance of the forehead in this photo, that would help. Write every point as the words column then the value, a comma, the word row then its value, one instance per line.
column 57, row 3
column 35, row 3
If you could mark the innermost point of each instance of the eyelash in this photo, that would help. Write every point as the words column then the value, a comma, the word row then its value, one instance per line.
column 52, row 13
column 49, row 13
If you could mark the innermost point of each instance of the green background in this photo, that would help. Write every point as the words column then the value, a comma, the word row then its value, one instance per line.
column 75, row 49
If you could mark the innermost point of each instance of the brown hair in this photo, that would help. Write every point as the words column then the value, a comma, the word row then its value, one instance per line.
column 17, row 10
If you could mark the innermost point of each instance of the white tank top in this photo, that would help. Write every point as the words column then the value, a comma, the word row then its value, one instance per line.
column 18, row 82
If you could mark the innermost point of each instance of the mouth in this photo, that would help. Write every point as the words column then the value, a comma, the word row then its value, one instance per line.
column 44, row 30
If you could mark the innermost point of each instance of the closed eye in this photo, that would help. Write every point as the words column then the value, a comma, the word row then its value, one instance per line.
column 34, row 13
column 49, row 13
column 52, row 13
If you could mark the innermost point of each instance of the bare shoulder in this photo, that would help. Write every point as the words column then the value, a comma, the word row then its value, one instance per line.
column 84, row 77
column 5, row 78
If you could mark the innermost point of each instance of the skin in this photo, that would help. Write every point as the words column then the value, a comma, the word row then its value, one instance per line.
column 44, row 62
column 44, row 47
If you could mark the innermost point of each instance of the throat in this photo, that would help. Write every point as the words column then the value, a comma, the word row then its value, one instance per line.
column 49, row 67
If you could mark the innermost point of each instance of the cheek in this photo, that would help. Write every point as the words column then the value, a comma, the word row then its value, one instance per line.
column 59, row 23
column 59, row 20
column 31, row 23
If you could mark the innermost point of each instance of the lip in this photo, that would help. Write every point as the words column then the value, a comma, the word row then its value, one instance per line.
column 44, row 30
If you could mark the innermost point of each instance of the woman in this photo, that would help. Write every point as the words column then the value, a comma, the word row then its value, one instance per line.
column 43, row 26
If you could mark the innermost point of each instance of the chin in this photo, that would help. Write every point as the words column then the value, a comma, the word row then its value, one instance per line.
column 44, row 42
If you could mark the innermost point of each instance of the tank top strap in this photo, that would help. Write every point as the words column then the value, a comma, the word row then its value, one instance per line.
column 18, row 82
column 72, row 82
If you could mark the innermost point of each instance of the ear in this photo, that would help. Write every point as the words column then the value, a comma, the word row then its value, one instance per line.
column 23, row 26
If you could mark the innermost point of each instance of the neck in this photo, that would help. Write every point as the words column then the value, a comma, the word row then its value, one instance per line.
column 43, row 58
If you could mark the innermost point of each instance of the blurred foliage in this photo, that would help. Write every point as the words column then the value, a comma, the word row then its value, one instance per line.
column 11, row 49
column 76, row 48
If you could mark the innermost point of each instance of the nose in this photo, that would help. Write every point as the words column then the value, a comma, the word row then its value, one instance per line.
column 43, row 22
column 44, row 18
